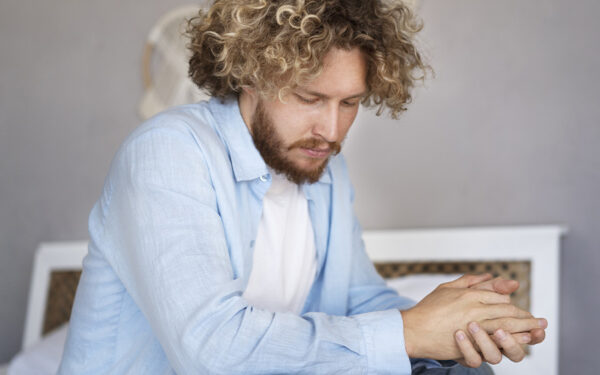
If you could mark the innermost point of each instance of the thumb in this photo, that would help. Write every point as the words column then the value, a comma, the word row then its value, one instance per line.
column 498, row 285
column 503, row 286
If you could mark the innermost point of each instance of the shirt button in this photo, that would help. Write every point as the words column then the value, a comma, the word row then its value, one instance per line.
column 263, row 178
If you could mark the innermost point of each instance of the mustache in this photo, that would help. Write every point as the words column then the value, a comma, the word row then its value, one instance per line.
column 334, row 147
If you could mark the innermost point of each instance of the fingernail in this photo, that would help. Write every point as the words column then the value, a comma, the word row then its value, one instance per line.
column 473, row 327
column 460, row 336
column 525, row 339
column 543, row 323
column 500, row 334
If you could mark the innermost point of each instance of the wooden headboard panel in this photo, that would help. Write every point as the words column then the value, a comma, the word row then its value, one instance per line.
column 61, row 294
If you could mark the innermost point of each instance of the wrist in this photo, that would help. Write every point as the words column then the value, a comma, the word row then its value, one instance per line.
column 409, row 336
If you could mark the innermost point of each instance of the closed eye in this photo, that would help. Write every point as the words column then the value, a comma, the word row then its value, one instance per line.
column 306, row 100
column 348, row 103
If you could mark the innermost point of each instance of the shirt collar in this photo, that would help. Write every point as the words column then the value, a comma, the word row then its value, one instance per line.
column 246, row 161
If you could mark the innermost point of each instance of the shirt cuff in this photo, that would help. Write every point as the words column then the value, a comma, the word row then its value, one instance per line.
column 383, row 332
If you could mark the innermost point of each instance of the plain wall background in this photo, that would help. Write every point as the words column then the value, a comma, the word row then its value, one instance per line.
column 507, row 133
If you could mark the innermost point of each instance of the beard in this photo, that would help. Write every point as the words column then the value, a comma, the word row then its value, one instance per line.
column 271, row 147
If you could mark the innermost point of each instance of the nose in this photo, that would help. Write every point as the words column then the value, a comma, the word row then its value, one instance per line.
column 328, row 124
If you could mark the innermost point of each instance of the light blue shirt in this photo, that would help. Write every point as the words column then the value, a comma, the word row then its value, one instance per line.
column 171, row 242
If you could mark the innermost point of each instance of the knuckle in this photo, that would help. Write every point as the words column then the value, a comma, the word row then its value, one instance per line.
column 494, row 359
column 469, row 294
column 486, row 326
column 523, row 313
column 474, row 314
column 513, row 310
column 541, row 336
column 473, row 362
column 506, row 324
column 483, row 311
column 515, row 353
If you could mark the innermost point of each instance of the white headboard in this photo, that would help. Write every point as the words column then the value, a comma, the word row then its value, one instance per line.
column 49, row 257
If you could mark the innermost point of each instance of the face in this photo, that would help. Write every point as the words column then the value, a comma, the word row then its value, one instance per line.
column 297, row 135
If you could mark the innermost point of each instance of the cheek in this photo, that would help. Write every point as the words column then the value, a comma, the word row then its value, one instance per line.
column 347, row 121
column 287, row 118
column 295, row 126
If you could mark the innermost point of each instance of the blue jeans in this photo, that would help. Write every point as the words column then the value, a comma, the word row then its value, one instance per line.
column 484, row 369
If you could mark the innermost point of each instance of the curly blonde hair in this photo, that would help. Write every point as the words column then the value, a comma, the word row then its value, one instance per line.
column 277, row 45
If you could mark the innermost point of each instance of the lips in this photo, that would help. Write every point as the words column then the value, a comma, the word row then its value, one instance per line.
column 316, row 148
column 319, row 153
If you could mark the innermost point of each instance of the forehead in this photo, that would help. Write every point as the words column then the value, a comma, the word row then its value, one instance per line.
column 344, row 74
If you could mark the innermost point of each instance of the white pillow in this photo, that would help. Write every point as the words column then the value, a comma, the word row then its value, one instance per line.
column 43, row 358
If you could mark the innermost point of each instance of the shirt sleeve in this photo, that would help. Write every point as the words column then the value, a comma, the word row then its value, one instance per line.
column 369, row 293
column 368, row 290
column 163, row 236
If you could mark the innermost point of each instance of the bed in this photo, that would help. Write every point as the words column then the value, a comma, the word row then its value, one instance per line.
column 413, row 261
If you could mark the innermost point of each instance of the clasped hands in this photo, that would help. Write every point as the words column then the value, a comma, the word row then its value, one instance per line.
column 470, row 320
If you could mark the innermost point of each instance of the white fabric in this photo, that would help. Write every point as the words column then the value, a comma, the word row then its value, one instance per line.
column 284, row 260
column 43, row 357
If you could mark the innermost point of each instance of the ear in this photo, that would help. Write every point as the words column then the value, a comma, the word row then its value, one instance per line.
column 248, row 100
column 250, row 92
column 249, row 97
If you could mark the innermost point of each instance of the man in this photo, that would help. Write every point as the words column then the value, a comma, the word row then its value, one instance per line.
column 224, row 240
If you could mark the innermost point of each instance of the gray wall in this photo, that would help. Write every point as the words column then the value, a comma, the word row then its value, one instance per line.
column 507, row 133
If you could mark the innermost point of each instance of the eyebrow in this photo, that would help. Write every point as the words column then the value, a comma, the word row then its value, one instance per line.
column 323, row 96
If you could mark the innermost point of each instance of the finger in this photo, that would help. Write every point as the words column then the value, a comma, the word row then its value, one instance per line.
column 498, row 285
column 466, row 281
column 489, row 298
column 512, row 349
column 512, row 325
column 487, row 346
column 503, row 286
column 522, row 337
column 470, row 356
column 501, row 311
column 537, row 335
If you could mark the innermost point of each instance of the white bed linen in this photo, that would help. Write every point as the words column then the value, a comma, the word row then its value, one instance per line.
column 42, row 358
